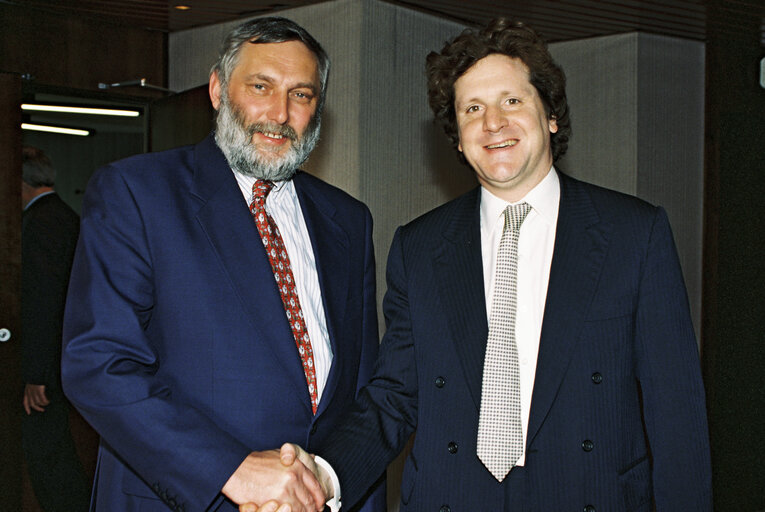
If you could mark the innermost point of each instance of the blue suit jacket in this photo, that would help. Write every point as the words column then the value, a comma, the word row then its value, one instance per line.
column 617, row 417
column 176, row 345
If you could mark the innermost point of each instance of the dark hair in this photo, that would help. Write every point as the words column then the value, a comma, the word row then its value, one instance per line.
column 273, row 29
column 37, row 169
column 504, row 37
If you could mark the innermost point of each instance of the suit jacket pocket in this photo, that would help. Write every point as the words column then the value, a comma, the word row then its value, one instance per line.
column 636, row 485
column 134, row 486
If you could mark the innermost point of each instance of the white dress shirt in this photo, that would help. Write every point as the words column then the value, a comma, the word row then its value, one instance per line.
column 39, row 196
column 535, row 250
column 283, row 205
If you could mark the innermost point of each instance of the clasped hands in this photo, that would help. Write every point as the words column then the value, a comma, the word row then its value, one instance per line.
column 285, row 480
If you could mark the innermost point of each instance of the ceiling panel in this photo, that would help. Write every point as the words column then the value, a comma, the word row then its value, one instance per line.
column 556, row 20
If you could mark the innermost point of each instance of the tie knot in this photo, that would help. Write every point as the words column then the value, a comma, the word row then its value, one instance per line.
column 515, row 214
column 260, row 190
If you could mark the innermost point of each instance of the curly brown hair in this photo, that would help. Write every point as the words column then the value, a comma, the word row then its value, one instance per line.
column 505, row 37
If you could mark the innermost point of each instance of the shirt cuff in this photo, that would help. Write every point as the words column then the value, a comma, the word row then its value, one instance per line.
column 333, row 504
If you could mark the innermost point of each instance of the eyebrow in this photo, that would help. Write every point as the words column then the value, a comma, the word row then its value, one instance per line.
column 300, row 85
column 520, row 93
column 306, row 85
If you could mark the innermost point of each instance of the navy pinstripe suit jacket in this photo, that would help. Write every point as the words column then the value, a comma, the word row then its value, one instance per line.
column 617, row 419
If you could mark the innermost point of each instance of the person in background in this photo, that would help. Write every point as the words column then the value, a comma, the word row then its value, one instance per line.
column 48, row 239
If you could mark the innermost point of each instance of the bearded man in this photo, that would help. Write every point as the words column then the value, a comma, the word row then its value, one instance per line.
column 221, row 301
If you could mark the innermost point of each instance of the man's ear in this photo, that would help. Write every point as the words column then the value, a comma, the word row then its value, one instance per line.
column 215, row 90
column 552, row 123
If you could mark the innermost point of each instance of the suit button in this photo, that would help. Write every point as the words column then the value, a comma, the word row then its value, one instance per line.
column 589, row 508
column 452, row 447
column 587, row 445
column 445, row 508
column 313, row 429
column 440, row 381
column 597, row 378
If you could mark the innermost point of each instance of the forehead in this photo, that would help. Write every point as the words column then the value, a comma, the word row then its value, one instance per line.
column 493, row 73
column 280, row 60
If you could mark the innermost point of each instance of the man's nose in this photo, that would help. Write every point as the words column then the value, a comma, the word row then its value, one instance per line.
column 278, row 108
column 494, row 119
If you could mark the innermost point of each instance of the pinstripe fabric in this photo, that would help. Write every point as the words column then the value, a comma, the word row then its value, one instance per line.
column 617, row 374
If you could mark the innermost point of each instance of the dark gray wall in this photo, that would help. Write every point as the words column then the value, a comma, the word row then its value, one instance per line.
column 636, row 99
column 637, row 103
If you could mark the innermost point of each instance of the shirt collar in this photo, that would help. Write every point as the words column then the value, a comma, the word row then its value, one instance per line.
column 246, row 182
column 544, row 199
column 36, row 198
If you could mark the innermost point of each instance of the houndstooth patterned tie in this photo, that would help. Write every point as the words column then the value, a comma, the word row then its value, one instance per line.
column 500, row 431
column 280, row 264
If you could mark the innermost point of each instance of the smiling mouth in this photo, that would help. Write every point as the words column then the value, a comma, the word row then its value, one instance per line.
column 277, row 133
column 503, row 144
column 272, row 135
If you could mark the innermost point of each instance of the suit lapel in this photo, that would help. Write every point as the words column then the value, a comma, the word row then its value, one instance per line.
column 581, row 242
column 459, row 272
column 330, row 245
column 226, row 219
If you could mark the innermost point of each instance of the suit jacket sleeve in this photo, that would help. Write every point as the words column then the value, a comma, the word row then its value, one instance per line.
column 370, row 337
column 376, row 501
column 385, row 414
column 670, row 379
column 110, row 367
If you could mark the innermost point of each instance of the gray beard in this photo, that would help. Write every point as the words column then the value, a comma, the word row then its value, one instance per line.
column 234, row 138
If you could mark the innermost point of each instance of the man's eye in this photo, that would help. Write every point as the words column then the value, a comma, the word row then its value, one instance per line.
column 302, row 96
column 472, row 108
column 513, row 101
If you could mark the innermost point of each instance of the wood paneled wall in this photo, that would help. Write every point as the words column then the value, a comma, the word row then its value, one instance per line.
column 10, row 293
column 733, row 333
column 78, row 52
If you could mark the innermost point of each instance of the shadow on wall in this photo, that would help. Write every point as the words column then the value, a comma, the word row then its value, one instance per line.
column 447, row 172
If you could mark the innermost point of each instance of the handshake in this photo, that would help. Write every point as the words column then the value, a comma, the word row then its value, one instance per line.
column 285, row 480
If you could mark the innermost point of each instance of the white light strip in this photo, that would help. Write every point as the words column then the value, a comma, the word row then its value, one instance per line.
column 80, row 110
column 54, row 129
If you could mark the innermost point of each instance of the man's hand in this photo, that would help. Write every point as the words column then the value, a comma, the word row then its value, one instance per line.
column 290, row 453
column 262, row 477
column 270, row 506
column 34, row 398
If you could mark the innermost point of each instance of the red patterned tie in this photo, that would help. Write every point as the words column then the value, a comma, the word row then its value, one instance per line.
column 280, row 264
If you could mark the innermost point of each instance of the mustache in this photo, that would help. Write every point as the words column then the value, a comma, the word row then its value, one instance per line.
column 278, row 129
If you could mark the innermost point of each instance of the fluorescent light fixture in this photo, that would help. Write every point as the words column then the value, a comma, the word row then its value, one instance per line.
column 36, row 107
column 54, row 129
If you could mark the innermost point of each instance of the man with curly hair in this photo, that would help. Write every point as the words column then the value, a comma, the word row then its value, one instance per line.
column 539, row 343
